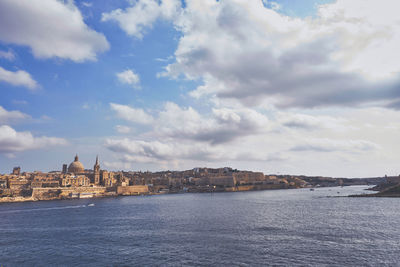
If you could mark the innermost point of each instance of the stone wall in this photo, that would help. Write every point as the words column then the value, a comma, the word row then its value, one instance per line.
column 65, row 192
column 132, row 190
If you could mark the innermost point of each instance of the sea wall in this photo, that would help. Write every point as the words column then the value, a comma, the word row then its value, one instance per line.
column 132, row 190
column 66, row 192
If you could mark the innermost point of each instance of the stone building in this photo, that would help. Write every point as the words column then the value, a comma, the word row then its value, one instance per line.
column 77, row 169
column 64, row 168
column 3, row 183
column 96, row 172
column 45, row 180
column 16, row 171
column 78, row 180
column 76, row 166
column 107, row 178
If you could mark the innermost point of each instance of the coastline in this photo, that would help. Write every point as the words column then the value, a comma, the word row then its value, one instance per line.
column 385, row 190
column 18, row 199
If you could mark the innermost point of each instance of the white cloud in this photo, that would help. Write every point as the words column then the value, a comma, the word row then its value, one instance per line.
column 50, row 28
column 18, row 78
column 9, row 55
column 129, row 77
column 271, row 4
column 346, row 55
column 135, row 115
column 249, row 57
column 182, row 137
column 12, row 116
column 122, row 129
column 329, row 145
column 139, row 17
column 312, row 122
column 223, row 125
column 12, row 141
column 154, row 151
column 87, row 4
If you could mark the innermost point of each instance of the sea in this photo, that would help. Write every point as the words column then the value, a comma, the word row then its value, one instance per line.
column 295, row 227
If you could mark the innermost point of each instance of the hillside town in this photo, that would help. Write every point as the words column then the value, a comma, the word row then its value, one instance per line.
column 74, row 181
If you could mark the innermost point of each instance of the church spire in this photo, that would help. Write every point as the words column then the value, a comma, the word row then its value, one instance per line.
column 96, row 169
column 97, row 165
column 76, row 157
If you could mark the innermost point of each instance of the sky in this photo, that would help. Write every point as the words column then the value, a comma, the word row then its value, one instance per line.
column 284, row 87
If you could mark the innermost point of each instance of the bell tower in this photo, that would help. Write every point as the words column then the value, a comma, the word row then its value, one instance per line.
column 96, row 170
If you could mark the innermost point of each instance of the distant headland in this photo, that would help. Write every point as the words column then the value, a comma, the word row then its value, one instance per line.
column 387, row 187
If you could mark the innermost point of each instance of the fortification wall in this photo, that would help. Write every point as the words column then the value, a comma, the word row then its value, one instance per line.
column 65, row 192
column 133, row 190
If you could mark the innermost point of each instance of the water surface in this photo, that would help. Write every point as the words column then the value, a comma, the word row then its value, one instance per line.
column 280, row 227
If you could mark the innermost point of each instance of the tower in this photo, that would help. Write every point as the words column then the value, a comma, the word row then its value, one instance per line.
column 64, row 168
column 96, row 170
column 16, row 171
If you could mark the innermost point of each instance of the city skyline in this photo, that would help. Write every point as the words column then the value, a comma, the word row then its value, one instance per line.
column 270, row 86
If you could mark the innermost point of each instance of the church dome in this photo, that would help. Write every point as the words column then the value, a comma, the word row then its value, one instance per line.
column 76, row 166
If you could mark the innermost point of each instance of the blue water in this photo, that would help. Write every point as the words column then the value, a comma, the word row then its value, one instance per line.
column 282, row 227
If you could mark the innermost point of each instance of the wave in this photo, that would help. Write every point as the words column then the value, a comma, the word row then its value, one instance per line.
column 41, row 209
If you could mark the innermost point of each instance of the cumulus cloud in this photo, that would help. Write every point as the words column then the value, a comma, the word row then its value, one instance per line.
column 173, row 121
column 247, row 56
column 312, row 122
column 132, row 150
column 12, row 141
column 135, row 115
column 12, row 116
column 50, row 28
column 182, row 133
column 87, row 4
column 329, row 145
column 223, row 125
column 9, row 55
column 296, row 62
column 129, row 77
column 149, row 150
column 141, row 16
column 182, row 137
column 122, row 129
column 18, row 78
column 246, row 50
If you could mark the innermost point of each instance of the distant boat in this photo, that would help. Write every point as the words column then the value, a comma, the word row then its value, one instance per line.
column 311, row 189
column 91, row 205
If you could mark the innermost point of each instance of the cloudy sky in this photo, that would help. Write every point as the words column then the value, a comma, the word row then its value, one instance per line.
column 289, row 87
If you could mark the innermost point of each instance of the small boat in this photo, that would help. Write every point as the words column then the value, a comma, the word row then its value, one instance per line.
column 311, row 189
column 91, row 205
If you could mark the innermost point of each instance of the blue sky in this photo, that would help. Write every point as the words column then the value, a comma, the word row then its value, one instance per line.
column 299, row 87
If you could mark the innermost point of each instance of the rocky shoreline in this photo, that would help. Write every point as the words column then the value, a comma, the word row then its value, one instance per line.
column 388, row 188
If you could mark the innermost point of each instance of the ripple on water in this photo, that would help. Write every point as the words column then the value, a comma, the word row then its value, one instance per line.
column 282, row 227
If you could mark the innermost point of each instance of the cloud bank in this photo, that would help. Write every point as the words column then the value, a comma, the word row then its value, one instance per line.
column 243, row 50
